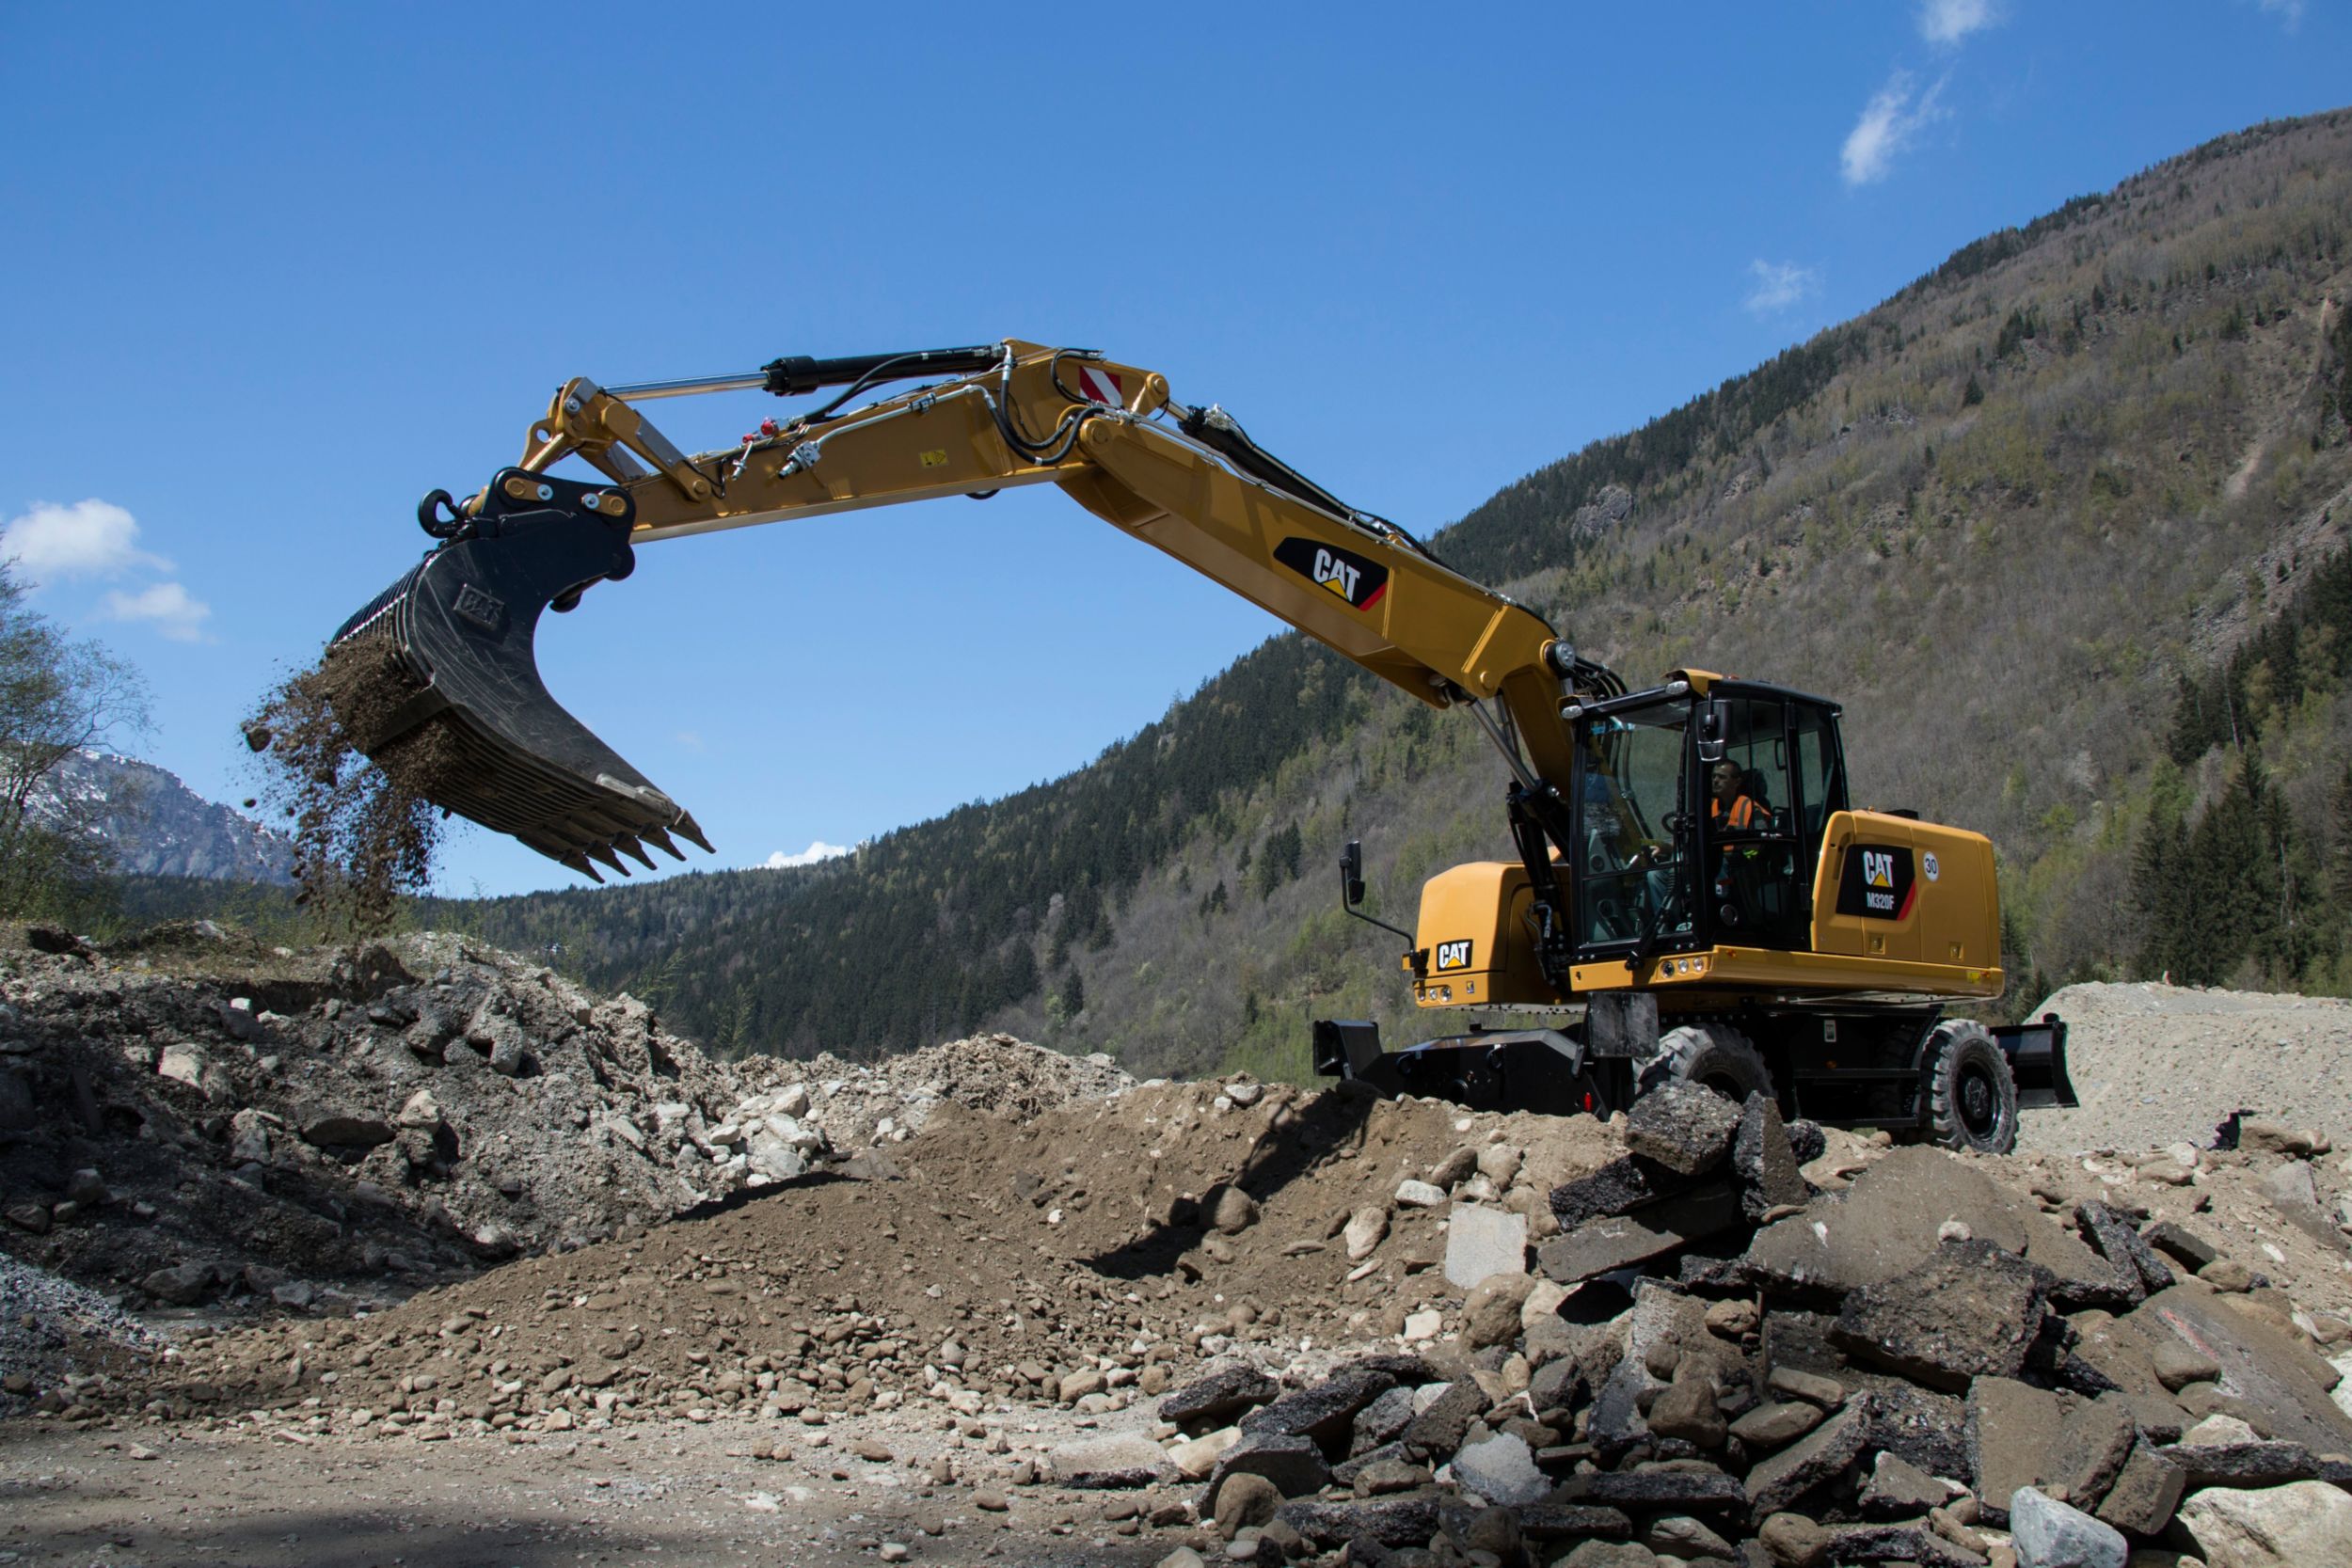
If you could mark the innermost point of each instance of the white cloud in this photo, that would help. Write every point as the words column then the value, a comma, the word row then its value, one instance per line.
column 1949, row 21
column 690, row 739
column 169, row 607
column 90, row 538
column 818, row 851
column 1888, row 124
column 2289, row 12
column 1779, row 285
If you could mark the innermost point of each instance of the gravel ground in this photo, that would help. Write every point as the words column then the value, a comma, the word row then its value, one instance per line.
column 187, row 1497
column 2155, row 1064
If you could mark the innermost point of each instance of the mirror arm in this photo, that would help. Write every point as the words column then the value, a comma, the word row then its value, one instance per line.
column 1352, row 889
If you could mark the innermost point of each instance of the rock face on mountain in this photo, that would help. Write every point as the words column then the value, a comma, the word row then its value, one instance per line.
column 157, row 825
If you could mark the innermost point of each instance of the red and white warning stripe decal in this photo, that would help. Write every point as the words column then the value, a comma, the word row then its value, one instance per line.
column 1100, row 385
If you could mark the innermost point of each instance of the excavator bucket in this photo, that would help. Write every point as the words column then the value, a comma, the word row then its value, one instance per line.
column 435, row 680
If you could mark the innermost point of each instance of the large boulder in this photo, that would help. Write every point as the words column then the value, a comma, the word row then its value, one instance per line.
column 1490, row 1315
column 2265, row 1375
column 1121, row 1459
column 1324, row 1412
column 2051, row 1534
column 1613, row 1241
column 1778, row 1482
column 1969, row 1311
column 1482, row 1242
column 1893, row 1220
column 1501, row 1469
column 1215, row 1400
column 182, row 1284
column 2280, row 1527
column 1685, row 1127
column 1292, row 1465
column 1624, row 1183
column 1764, row 1160
column 341, row 1132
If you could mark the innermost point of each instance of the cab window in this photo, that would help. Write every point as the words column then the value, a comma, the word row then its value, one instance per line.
column 1821, row 771
column 1631, row 805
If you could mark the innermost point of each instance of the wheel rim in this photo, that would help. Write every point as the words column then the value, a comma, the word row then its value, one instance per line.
column 1978, row 1102
column 1726, row 1084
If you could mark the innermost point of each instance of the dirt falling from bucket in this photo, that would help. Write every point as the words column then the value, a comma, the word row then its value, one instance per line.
column 364, row 831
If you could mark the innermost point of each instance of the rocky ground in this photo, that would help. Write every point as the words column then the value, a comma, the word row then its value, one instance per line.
column 1016, row 1308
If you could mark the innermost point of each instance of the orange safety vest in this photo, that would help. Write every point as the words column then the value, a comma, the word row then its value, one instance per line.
column 1742, row 812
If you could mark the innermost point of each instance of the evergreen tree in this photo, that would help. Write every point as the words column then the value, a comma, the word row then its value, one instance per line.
column 2160, row 890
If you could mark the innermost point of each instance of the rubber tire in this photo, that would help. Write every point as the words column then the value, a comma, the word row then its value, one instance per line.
column 1971, row 1094
column 1714, row 1055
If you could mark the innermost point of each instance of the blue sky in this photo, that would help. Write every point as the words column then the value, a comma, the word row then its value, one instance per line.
column 272, row 273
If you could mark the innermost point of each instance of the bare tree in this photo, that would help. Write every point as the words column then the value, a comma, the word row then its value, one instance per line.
column 59, row 695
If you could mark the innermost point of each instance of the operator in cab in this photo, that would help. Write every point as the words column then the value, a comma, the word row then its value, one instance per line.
column 1730, row 806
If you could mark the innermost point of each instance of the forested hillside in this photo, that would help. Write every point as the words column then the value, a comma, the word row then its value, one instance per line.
column 2059, row 523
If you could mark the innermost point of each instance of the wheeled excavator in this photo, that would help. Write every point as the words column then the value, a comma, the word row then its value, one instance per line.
column 1693, row 894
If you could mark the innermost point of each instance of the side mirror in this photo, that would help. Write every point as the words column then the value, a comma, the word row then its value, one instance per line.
column 1352, row 873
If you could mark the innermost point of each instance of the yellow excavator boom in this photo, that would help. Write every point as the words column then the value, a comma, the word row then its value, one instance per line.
column 455, row 635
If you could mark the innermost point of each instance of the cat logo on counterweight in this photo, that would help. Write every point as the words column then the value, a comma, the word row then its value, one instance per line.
column 1876, row 882
column 1351, row 577
column 1452, row 955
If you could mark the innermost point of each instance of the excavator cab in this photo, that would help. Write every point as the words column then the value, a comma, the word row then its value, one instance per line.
column 1699, row 818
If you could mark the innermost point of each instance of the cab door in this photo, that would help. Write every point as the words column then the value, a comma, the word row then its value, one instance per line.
column 1755, row 886
column 1820, row 785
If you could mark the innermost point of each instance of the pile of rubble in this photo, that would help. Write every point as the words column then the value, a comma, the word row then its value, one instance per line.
column 186, row 1120
column 1086, row 1257
column 860, row 1106
column 1713, row 1361
column 1308, row 1324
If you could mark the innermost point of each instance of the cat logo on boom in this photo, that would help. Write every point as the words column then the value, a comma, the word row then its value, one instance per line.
column 1453, row 955
column 1356, row 579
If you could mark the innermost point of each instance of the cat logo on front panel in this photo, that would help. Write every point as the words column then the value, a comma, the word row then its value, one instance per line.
column 1878, row 868
column 1453, row 955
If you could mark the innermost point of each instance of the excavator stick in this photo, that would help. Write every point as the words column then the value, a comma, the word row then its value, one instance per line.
column 435, row 679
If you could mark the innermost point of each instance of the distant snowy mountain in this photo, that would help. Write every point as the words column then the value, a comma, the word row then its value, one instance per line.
column 158, row 827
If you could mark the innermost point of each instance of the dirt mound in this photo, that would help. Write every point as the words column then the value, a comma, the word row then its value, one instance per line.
column 2155, row 1064
column 196, row 1123
column 1104, row 1238
column 189, row 1117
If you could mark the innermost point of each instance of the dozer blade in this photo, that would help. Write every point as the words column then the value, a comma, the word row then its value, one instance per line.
column 2037, row 1060
column 436, row 683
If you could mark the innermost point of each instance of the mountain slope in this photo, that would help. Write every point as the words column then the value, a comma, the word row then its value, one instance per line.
column 2003, row 516
column 153, row 825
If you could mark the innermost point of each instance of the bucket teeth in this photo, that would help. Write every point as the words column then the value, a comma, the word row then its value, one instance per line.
column 634, row 850
column 579, row 862
column 603, row 855
column 661, row 841
column 693, row 830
